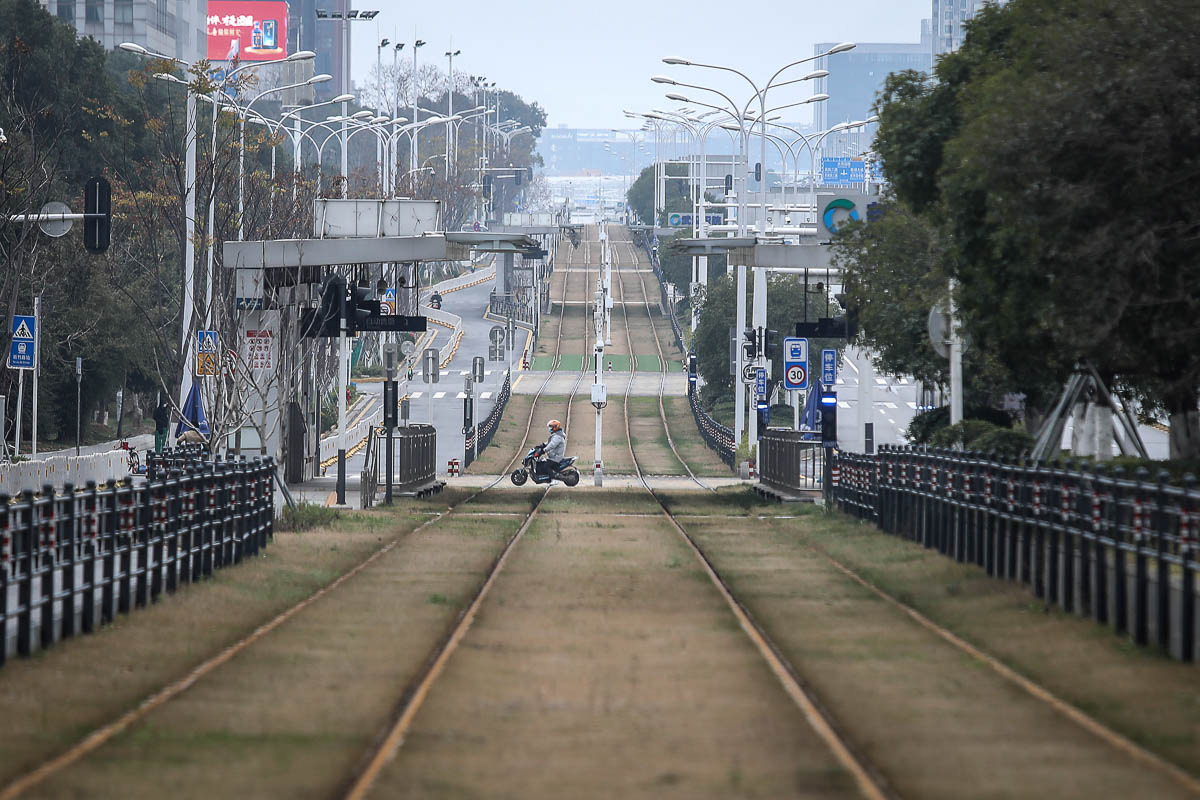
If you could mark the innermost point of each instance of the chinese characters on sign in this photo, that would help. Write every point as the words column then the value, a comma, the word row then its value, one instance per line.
column 247, row 31
column 259, row 350
column 843, row 171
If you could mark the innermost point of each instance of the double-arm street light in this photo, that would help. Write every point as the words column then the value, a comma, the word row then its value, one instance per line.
column 739, row 113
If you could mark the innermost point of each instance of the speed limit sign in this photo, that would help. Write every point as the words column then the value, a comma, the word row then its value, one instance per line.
column 796, row 375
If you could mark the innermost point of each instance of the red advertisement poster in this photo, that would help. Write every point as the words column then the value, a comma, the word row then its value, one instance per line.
column 247, row 30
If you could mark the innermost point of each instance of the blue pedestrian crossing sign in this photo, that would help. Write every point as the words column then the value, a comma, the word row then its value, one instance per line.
column 828, row 367
column 22, row 350
column 388, row 307
column 795, row 363
column 206, row 353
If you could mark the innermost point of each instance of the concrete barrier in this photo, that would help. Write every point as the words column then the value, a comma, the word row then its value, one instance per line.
column 58, row 470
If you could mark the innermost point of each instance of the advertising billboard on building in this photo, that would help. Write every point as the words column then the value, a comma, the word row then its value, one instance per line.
column 247, row 30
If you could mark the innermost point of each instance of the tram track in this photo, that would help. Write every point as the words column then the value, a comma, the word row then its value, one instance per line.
column 102, row 734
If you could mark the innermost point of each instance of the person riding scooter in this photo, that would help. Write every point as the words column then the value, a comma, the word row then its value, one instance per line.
column 555, row 449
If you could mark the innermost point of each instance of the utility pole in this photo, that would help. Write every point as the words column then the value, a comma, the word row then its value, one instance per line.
column 37, row 367
column 343, row 380
column 78, row 400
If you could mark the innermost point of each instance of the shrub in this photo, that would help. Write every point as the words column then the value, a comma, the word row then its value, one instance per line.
column 925, row 424
column 305, row 517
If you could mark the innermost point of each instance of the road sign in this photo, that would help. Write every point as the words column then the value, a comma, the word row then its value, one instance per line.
column 24, row 343
column 795, row 363
column 496, row 334
column 828, row 367
column 843, row 171
column 388, row 306
column 260, row 349
column 749, row 373
column 760, row 381
column 206, row 353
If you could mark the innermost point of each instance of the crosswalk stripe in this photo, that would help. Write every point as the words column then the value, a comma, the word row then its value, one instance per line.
column 438, row 395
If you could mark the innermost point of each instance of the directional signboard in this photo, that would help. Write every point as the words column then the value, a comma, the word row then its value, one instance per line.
column 24, row 343
column 828, row 367
column 206, row 353
column 795, row 363
column 843, row 171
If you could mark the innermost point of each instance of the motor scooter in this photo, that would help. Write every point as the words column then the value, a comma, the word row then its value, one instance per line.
column 566, row 472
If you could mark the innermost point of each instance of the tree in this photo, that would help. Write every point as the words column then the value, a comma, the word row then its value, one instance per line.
column 1043, row 173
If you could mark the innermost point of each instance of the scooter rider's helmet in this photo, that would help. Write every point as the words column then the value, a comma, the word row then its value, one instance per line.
column 554, row 425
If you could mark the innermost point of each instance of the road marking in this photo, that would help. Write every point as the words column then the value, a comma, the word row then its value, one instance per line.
column 850, row 364
column 881, row 381
column 892, row 421
column 911, row 405
column 461, row 395
column 414, row 395
column 438, row 395
column 883, row 411
column 902, row 381
column 889, row 405
column 843, row 404
column 485, row 395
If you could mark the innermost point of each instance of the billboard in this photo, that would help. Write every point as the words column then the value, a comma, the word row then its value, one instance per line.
column 247, row 30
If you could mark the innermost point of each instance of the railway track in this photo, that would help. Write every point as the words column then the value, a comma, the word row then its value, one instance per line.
column 868, row 779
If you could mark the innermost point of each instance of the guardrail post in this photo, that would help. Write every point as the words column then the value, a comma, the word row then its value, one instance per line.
column 90, row 533
column 1120, row 571
column 47, row 551
column 1071, row 531
column 1053, row 555
column 69, row 547
column 25, row 562
column 1163, row 587
column 1141, row 598
column 5, row 568
column 1187, row 548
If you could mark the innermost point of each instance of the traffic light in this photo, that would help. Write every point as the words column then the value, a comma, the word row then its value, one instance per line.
column 758, row 172
column 517, row 176
column 750, row 344
column 851, row 318
column 728, row 184
column 770, row 342
column 829, row 419
column 364, row 304
column 487, row 184
column 97, row 210
column 326, row 319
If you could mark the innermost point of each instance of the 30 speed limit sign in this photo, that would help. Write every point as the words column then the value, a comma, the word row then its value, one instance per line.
column 796, row 375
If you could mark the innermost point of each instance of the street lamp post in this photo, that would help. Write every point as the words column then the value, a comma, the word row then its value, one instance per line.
column 412, row 154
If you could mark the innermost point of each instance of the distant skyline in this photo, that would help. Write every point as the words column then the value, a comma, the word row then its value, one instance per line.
column 584, row 63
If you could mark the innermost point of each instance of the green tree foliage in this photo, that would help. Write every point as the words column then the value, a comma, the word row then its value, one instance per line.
column 641, row 194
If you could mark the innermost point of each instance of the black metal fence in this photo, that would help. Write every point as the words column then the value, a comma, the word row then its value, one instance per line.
column 715, row 435
column 1115, row 546
column 501, row 305
column 73, row 560
column 789, row 461
column 487, row 429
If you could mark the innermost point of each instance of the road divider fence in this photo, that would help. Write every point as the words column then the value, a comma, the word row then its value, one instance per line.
column 1108, row 544
column 72, row 560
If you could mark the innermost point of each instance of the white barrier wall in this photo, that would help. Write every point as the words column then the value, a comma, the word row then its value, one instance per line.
column 57, row 470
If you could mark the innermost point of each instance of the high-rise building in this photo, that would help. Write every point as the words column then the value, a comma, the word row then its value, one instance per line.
column 172, row 27
column 857, row 75
column 949, row 17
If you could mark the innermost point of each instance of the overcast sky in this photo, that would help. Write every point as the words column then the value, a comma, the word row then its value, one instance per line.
column 584, row 62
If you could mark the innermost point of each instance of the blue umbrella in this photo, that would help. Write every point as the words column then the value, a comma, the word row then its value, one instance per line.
column 811, row 418
column 193, row 414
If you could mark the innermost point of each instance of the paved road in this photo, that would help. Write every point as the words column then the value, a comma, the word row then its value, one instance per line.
column 442, row 402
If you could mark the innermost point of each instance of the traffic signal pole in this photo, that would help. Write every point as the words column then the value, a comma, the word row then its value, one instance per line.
column 759, row 322
column 343, row 380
